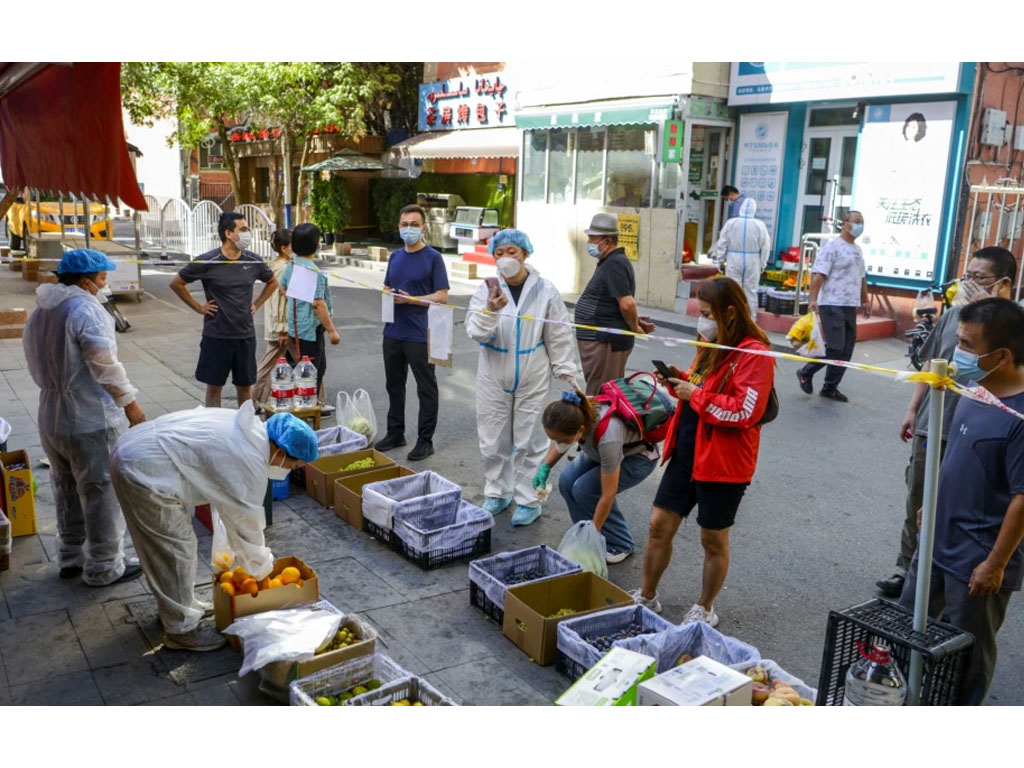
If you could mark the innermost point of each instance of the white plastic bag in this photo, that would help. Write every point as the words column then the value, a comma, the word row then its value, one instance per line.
column 583, row 544
column 815, row 347
column 222, row 557
column 5, row 430
column 356, row 413
column 287, row 635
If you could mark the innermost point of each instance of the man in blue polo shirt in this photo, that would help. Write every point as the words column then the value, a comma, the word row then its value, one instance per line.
column 416, row 274
column 978, row 560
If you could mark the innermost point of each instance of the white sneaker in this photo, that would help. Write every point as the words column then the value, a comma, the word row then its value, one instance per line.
column 653, row 603
column 616, row 557
column 697, row 613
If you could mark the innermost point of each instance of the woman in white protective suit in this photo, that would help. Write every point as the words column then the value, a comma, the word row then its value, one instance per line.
column 85, row 403
column 214, row 456
column 745, row 245
column 518, row 357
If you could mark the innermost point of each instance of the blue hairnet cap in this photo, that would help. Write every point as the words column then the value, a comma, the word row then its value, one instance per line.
column 293, row 435
column 510, row 237
column 85, row 261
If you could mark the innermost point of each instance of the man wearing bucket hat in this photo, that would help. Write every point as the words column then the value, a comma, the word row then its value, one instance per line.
column 607, row 302
column 85, row 403
column 215, row 456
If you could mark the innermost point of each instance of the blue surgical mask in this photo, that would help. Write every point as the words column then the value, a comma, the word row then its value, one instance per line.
column 856, row 230
column 593, row 250
column 967, row 365
column 410, row 235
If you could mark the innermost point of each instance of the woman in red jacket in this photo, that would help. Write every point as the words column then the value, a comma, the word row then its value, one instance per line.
column 712, row 444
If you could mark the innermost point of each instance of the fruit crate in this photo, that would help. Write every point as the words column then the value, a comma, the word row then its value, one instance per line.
column 408, row 495
column 383, row 535
column 946, row 650
column 411, row 688
column 331, row 441
column 337, row 679
column 781, row 302
column 490, row 578
column 577, row 649
column 432, row 538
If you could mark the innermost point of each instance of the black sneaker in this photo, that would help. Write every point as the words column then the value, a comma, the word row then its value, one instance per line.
column 423, row 449
column 835, row 394
column 806, row 383
column 389, row 442
column 71, row 572
column 893, row 586
column 130, row 572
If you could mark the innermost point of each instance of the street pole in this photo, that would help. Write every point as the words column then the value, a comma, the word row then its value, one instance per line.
column 927, row 540
column 286, row 160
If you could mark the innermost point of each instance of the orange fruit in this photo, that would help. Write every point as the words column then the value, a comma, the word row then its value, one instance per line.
column 226, row 577
column 228, row 587
column 250, row 586
column 298, row 583
column 239, row 576
column 264, row 583
column 290, row 575
column 275, row 582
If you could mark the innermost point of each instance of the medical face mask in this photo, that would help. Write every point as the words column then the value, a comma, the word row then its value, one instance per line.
column 275, row 472
column 410, row 235
column 244, row 240
column 967, row 365
column 564, row 447
column 856, row 230
column 593, row 250
column 707, row 328
column 508, row 266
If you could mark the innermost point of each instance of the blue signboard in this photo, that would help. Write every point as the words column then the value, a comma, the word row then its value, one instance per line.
column 465, row 102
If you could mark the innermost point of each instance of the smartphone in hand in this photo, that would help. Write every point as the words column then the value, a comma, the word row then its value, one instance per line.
column 492, row 284
column 663, row 369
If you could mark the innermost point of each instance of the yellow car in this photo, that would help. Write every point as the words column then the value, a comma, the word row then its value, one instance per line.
column 74, row 219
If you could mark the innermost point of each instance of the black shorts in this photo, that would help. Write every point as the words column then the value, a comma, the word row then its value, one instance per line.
column 717, row 503
column 219, row 357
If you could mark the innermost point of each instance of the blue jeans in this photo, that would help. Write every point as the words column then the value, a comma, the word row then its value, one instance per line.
column 580, row 486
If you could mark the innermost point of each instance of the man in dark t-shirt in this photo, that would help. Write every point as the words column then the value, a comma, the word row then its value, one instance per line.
column 229, row 336
column 607, row 302
column 978, row 559
column 416, row 273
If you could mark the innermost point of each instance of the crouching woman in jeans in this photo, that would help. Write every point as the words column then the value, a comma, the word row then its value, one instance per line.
column 606, row 467
column 712, row 443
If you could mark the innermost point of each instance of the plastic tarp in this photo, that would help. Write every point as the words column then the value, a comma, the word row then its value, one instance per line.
column 61, row 131
column 437, row 530
column 426, row 491
column 494, row 575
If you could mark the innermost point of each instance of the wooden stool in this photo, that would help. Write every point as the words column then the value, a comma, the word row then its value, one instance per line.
column 310, row 414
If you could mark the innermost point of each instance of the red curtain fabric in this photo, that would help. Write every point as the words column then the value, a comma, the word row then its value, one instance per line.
column 62, row 131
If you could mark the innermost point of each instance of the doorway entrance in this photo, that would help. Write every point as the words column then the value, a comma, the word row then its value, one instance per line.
column 706, row 169
column 826, row 168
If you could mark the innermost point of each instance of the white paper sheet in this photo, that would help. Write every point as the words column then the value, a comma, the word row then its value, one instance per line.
column 387, row 308
column 440, row 326
column 302, row 285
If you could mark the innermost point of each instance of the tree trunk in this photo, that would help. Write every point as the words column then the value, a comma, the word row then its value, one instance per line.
column 289, row 146
column 300, row 185
column 229, row 161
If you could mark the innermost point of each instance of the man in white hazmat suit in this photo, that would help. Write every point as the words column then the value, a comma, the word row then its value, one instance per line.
column 214, row 456
column 518, row 357
column 745, row 245
column 85, row 403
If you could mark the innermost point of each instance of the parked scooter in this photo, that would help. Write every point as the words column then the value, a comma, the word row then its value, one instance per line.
column 926, row 317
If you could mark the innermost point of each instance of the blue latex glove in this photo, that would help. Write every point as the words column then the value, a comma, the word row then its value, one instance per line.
column 541, row 478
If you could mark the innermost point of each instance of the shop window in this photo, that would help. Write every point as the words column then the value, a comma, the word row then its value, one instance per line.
column 560, row 174
column 263, row 184
column 212, row 159
column 590, row 144
column 668, row 185
column 630, row 166
column 833, row 116
column 535, row 148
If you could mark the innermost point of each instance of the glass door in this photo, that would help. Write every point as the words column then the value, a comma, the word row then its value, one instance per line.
column 826, row 178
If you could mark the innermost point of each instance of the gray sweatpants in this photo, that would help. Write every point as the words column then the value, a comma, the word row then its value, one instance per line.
column 981, row 615
column 915, row 500
column 839, row 327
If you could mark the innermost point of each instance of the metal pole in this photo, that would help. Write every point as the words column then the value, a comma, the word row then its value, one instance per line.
column 924, row 548
column 60, row 212
column 87, row 220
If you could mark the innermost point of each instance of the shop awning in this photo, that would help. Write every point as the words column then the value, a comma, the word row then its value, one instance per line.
column 348, row 160
column 61, row 131
column 621, row 112
column 483, row 142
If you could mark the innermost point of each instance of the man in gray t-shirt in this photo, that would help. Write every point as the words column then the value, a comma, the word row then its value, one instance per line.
column 990, row 272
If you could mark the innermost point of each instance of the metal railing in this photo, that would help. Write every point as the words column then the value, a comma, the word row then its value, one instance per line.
column 261, row 227
column 1005, row 198
column 178, row 229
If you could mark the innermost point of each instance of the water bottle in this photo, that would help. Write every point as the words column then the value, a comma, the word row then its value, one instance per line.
column 875, row 680
column 282, row 386
column 305, row 383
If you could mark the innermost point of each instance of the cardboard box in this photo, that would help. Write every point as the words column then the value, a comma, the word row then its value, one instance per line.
column 321, row 474
column 702, row 682
column 19, row 502
column 227, row 608
column 528, row 608
column 279, row 674
column 612, row 682
column 348, row 492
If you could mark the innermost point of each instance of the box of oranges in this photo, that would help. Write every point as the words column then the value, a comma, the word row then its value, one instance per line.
column 236, row 593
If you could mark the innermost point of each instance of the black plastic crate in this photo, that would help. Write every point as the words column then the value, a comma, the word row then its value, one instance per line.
column 478, row 599
column 945, row 649
column 384, row 535
column 571, row 669
column 513, row 569
column 473, row 547
column 576, row 652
